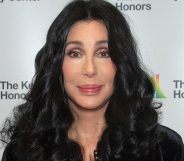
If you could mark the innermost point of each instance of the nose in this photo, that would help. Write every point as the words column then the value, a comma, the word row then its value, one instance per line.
column 90, row 67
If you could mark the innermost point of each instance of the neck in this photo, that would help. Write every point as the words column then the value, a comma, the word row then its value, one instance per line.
column 88, row 125
column 87, row 129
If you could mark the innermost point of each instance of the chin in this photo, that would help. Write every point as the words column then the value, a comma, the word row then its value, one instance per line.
column 92, row 105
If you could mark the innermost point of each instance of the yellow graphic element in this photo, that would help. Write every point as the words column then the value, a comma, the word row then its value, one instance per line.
column 156, row 82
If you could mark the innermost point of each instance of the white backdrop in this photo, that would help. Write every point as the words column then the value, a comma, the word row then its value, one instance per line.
column 157, row 25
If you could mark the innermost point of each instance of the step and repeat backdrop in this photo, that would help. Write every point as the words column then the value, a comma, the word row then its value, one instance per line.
column 158, row 27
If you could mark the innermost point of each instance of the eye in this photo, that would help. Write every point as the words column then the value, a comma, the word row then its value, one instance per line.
column 74, row 54
column 103, row 54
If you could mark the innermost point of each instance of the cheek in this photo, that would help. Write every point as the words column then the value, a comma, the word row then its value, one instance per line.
column 69, row 71
column 109, row 72
column 68, row 76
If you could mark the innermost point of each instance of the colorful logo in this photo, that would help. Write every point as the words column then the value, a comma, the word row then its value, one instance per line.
column 156, row 82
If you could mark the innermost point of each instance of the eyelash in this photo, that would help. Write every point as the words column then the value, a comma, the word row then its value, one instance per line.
column 77, row 54
column 72, row 54
column 104, row 52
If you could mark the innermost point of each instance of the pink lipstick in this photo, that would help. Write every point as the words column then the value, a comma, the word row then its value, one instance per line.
column 90, row 89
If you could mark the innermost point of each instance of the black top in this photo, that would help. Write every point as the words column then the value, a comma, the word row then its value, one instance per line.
column 171, row 147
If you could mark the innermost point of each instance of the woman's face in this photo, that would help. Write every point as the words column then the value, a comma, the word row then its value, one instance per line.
column 87, row 68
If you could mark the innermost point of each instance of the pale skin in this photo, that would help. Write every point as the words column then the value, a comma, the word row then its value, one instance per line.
column 89, row 82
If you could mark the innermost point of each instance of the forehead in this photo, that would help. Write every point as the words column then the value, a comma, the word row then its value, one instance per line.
column 88, row 29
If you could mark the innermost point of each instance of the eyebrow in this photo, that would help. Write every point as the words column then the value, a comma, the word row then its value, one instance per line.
column 81, row 44
column 74, row 42
column 101, row 42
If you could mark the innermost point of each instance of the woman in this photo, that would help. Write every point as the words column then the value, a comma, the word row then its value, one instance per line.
column 90, row 98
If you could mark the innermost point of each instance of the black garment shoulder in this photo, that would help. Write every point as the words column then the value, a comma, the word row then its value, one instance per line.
column 171, row 148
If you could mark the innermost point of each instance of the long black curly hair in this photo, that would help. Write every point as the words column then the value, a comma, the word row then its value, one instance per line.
column 38, row 130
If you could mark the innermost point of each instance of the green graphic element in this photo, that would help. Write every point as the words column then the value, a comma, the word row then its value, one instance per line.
column 156, row 82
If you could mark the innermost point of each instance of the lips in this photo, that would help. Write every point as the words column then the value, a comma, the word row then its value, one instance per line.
column 90, row 88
